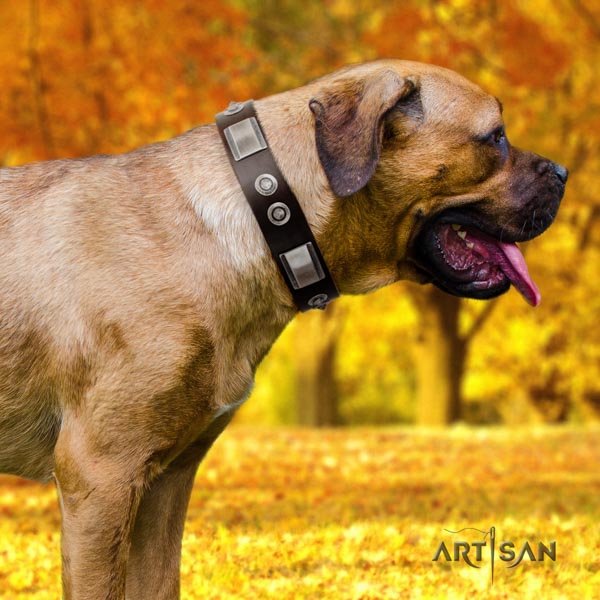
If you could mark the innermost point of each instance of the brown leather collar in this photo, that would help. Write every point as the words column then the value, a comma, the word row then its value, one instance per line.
column 275, row 207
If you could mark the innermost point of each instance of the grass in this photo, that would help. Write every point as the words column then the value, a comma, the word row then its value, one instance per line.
column 358, row 514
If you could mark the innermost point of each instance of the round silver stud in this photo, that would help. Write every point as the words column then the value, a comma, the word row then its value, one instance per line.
column 234, row 108
column 278, row 213
column 318, row 301
column 265, row 184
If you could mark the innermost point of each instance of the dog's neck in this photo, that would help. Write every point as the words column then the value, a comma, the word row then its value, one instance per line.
column 243, row 300
column 247, row 300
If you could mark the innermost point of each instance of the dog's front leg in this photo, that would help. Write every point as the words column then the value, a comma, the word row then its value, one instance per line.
column 153, row 569
column 155, row 556
column 99, row 494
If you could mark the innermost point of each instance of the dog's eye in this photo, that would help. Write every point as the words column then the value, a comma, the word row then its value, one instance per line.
column 495, row 138
column 498, row 137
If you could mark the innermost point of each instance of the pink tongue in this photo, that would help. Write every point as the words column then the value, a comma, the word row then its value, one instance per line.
column 516, row 271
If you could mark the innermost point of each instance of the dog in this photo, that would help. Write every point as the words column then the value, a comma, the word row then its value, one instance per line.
column 138, row 296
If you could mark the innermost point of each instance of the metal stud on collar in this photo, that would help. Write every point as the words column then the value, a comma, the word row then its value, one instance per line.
column 234, row 108
column 319, row 301
column 278, row 213
column 265, row 184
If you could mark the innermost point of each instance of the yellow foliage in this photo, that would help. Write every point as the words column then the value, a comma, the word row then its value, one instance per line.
column 358, row 514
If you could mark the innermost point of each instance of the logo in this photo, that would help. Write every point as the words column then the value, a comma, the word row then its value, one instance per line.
column 475, row 553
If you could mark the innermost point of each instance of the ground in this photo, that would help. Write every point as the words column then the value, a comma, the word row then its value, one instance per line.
column 358, row 514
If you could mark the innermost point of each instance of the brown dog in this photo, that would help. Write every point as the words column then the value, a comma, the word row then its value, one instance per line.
column 137, row 295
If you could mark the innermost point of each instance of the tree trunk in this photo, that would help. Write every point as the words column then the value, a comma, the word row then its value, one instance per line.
column 440, row 358
column 316, row 386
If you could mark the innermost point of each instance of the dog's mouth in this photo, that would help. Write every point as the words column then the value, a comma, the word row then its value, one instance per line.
column 465, row 261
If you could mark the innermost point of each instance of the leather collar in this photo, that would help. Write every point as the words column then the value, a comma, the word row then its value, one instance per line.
column 276, row 208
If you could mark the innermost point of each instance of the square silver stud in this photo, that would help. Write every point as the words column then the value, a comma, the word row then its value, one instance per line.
column 302, row 265
column 245, row 138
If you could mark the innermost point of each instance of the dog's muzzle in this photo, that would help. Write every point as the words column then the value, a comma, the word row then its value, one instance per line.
column 468, row 253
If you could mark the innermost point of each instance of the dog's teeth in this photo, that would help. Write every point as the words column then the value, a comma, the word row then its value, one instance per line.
column 470, row 245
column 456, row 227
column 461, row 234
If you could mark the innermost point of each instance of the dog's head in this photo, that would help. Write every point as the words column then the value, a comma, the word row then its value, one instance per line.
column 427, row 185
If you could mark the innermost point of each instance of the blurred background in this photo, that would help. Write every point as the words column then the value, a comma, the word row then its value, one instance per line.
column 102, row 76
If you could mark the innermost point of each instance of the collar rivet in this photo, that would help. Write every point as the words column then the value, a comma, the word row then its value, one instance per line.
column 266, row 184
column 278, row 213
column 234, row 108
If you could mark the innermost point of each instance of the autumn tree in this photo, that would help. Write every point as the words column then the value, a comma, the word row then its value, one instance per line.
column 534, row 67
column 543, row 70
column 82, row 77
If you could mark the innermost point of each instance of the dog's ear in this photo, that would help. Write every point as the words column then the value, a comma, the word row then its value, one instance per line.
column 349, row 125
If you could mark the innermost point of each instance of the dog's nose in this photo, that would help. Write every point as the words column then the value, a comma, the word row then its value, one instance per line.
column 544, row 166
column 561, row 172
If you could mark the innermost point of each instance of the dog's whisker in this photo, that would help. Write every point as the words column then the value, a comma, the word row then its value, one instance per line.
column 523, row 228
